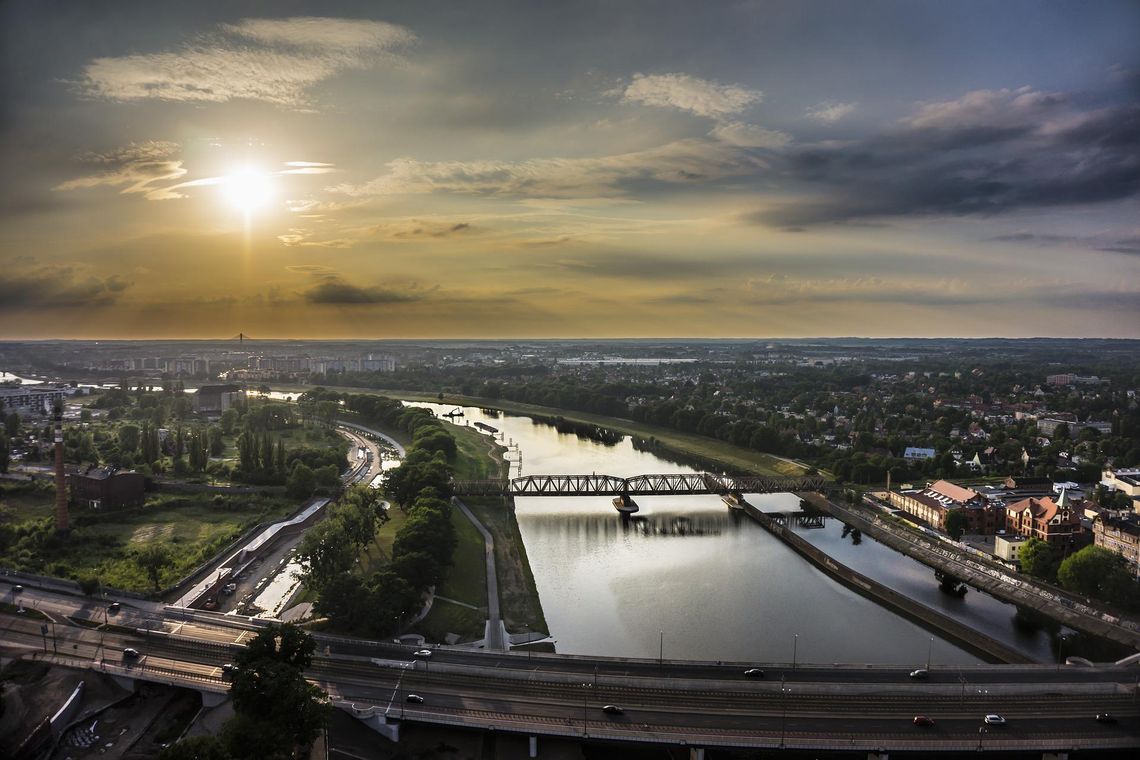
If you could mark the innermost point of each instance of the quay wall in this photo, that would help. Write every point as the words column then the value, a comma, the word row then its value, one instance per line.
column 986, row 647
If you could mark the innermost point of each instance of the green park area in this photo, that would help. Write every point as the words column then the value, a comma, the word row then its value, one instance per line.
column 136, row 549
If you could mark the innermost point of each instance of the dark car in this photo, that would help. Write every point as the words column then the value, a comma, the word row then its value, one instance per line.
column 130, row 653
column 113, row 607
column 922, row 720
column 228, row 670
column 18, row 589
column 1105, row 718
column 754, row 673
column 919, row 675
column 415, row 699
column 613, row 710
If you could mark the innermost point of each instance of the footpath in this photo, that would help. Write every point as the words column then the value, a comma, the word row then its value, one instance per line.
column 494, row 636
column 992, row 579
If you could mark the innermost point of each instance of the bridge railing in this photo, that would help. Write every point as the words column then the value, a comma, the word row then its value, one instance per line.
column 645, row 485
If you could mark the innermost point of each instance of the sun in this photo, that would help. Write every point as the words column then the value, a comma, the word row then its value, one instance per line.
column 248, row 189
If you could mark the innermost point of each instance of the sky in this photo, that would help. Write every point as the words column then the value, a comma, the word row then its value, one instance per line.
column 575, row 169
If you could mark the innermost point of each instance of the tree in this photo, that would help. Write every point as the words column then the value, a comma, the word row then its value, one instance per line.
column 12, row 424
column 326, row 552
column 271, row 696
column 301, row 482
column 129, row 438
column 5, row 451
column 1092, row 571
column 217, row 445
column 956, row 523
column 1038, row 559
column 152, row 558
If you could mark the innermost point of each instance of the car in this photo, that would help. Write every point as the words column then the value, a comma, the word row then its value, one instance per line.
column 754, row 673
column 613, row 710
column 113, row 607
column 993, row 719
column 1105, row 718
column 920, row 674
column 18, row 589
column 415, row 699
column 922, row 720
column 211, row 603
column 130, row 653
column 228, row 670
column 423, row 654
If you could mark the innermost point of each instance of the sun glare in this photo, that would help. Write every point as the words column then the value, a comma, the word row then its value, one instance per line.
column 248, row 189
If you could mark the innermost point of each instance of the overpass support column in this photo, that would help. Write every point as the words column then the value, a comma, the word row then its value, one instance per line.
column 696, row 753
column 1055, row 756
column 533, row 749
column 880, row 755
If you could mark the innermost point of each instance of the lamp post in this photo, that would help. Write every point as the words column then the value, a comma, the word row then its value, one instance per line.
column 795, row 646
column 1060, row 650
column 784, row 709
column 929, row 650
column 661, row 649
column 585, row 694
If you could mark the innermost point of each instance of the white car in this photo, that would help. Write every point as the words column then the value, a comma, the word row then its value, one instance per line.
column 994, row 719
column 423, row 654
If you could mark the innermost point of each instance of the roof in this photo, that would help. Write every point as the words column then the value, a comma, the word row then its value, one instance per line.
column 1041, row 509
column 956, row 493
column 918, row 451
column 218, row 389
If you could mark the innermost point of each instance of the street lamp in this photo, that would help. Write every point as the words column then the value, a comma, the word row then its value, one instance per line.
column 784, row 709
column 585, row 693
column 1061, row 638
column 929, row 649
column 795, row 646
column 661, row 649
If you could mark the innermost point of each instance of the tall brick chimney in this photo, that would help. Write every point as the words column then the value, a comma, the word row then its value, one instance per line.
column 62, row 519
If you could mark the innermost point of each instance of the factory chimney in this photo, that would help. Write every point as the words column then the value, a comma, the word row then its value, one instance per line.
column 62, row 519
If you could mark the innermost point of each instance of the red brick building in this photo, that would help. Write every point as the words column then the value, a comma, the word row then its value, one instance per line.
column 1057, row 524
column 107, row 488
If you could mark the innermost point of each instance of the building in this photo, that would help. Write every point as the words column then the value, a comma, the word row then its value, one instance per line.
column 934, row 503
column 107, row 488
column 1055, row 522
column 1125, row 481
column 917, row 452
column 1120, row 535
column 215, row 399
column 31, row 399
column 1007, row 547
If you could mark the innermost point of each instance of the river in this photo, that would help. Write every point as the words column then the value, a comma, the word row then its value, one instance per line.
column 686, row 579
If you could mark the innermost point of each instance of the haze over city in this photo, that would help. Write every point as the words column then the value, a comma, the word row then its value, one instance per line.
column 511, row 169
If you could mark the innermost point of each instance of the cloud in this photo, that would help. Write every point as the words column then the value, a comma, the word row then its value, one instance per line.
column 680, row 162
column 749, row 135
column 276, row 61
column 339, row 292
column 59, row 288
column 830, row 112
column 988, row 152
column 139, row 166
column 691, row 94
column 420, row 229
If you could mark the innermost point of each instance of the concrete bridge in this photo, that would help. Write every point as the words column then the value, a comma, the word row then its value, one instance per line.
column 670, row 484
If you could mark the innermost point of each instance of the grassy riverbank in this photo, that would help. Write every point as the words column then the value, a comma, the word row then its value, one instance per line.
column 697, row 447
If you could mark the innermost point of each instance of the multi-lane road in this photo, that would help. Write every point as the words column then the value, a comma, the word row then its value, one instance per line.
column 703, row 704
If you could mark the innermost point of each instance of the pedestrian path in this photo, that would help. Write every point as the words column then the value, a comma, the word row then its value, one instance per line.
column 493, row 637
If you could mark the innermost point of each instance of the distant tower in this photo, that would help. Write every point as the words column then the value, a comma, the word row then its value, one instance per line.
column 62, row 519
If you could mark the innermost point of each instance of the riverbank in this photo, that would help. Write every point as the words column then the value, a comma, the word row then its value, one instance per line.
column 900, row 540
column 699, row 449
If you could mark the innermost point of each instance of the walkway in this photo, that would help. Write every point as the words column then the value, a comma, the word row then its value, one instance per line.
column 494, row 637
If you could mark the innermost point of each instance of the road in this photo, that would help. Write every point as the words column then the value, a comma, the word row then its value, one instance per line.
column 702, row 703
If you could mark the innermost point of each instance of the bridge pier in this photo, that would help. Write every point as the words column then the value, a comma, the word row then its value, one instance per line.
column 1055, row 756
column 374, row 718
column 625, row 504
column 696, row 753
column 213, row 698
column 532, row 750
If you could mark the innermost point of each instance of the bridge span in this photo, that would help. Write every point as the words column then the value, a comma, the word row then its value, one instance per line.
column 668, row 484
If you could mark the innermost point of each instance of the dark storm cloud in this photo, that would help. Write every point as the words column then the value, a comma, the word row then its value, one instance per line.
column 336, row 291
column 59, row 288
column 960, row 161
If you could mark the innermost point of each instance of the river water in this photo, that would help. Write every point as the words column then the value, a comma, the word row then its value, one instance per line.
column 687, row 578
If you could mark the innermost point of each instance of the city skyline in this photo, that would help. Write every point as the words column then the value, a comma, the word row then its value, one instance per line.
column 442, row 170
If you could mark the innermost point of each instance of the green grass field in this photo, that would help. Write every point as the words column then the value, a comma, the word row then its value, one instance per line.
column 100, row 545
column 466, row 582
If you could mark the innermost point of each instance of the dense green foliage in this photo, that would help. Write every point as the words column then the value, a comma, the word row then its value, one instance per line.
column 1039, row 559
column 277, row 713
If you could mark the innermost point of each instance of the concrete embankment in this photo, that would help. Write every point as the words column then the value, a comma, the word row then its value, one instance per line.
column 984, row 646
column 995, row 582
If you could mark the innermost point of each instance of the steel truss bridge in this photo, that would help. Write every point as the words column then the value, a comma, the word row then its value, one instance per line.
column 673, row 484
